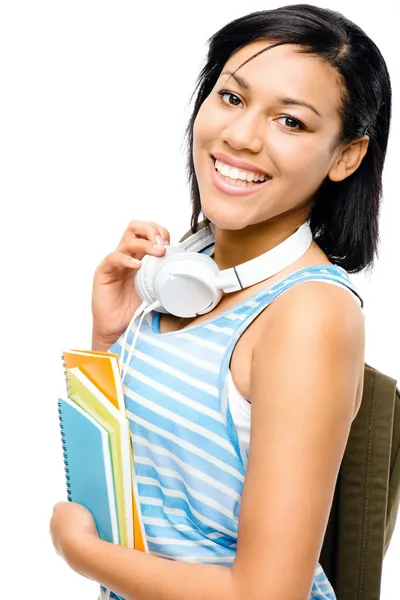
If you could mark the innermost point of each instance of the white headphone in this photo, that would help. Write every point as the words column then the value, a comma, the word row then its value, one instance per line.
column 187, row 282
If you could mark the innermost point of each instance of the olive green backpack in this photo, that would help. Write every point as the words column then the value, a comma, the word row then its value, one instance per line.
column 367, row 492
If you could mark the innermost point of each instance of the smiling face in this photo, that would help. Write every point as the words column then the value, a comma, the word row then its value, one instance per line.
column 278, row 116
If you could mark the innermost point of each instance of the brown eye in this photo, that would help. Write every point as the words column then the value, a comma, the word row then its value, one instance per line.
column 236, row 100
column 292, row 123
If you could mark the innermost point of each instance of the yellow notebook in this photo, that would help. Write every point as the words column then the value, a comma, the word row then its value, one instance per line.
column 102, row 370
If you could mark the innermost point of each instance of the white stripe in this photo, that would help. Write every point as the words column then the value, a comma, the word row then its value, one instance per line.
column 157, row 502
column 151, row 382
column 197, row 383
column 235, row 317
column 195, row 494
column 203, row 342
column 170, row 415
column 309, row 276
column 186, row 445
column 180, row 527
column 197, row 559
column 252, row 304
column 318, row 569
column 224, row 398
column 176, row 494
column 174, row 542
column 176, row 512
column 318, row 592
column 171, row 349
column 191, row 470
column 157, row 522
column 212, row 327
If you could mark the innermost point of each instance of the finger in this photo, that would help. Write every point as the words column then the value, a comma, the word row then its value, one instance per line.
column 134, row 229
column 118, row 261
column 144, row 230
column 58, row 504
column 138, row 248
column 165, row 234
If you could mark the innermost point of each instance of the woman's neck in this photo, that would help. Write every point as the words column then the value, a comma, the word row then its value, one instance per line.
column 233, row 247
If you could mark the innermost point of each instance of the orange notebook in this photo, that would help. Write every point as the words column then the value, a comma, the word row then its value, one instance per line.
column 103, row 370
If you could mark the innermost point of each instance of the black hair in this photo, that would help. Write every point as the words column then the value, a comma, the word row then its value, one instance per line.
column 344, row 217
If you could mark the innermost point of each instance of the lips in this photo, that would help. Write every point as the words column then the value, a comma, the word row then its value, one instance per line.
column 224, row 186
column 239, row 164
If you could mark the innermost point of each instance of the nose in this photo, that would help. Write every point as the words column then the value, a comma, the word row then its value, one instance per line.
column 244, row 132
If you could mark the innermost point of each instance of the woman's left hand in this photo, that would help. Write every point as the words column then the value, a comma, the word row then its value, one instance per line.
column 72, row 526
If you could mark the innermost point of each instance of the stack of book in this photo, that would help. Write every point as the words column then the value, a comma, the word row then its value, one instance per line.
column 97, row 447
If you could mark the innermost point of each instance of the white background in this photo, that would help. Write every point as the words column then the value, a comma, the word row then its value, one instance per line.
column 93, row 104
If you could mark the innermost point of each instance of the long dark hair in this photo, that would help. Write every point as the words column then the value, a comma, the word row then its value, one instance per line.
column 344, row 218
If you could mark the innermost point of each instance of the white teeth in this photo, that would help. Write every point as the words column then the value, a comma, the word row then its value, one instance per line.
column 235, row 173
column 237, row 182
column 224, row 169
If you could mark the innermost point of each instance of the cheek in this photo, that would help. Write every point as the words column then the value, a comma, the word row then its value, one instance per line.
column 204, row 134
column 207, row 124
column 304, row 158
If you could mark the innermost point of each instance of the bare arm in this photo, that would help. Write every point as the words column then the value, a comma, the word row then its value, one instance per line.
column 305, row 375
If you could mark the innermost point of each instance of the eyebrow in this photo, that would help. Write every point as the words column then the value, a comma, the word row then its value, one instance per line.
column 285, row 101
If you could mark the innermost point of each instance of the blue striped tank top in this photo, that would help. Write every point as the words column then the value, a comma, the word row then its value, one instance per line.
column 188, row 463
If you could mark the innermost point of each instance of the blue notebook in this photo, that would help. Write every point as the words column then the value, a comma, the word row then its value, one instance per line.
column 88, row 467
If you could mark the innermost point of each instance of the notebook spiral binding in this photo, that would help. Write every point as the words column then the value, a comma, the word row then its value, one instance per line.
column 66, row 377
column 65, row 454
column 64, row 447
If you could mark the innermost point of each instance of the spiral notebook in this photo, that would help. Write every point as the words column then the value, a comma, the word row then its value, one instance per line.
column 89, row 398
column 88, row 467
column 93, row 380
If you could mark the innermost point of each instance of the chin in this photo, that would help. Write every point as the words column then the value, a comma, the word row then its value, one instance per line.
column 224, row 218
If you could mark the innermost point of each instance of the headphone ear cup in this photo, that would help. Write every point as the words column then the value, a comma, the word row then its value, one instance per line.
column 144, row 279
column 145, row 276
column 185, row 284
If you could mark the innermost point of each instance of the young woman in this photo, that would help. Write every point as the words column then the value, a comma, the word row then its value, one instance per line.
column 290, row 123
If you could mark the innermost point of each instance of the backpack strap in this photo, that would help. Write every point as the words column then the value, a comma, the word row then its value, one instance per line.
column 357, row 532
column 394, row 478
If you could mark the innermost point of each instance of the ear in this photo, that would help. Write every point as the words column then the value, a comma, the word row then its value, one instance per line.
column 349, row 159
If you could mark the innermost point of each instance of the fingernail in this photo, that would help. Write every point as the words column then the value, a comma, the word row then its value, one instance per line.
column 158, row 247
column 159, row 240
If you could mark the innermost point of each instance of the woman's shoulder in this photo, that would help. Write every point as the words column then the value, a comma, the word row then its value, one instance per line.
column 316, row 294
column 310, row 301
column 313, row 324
